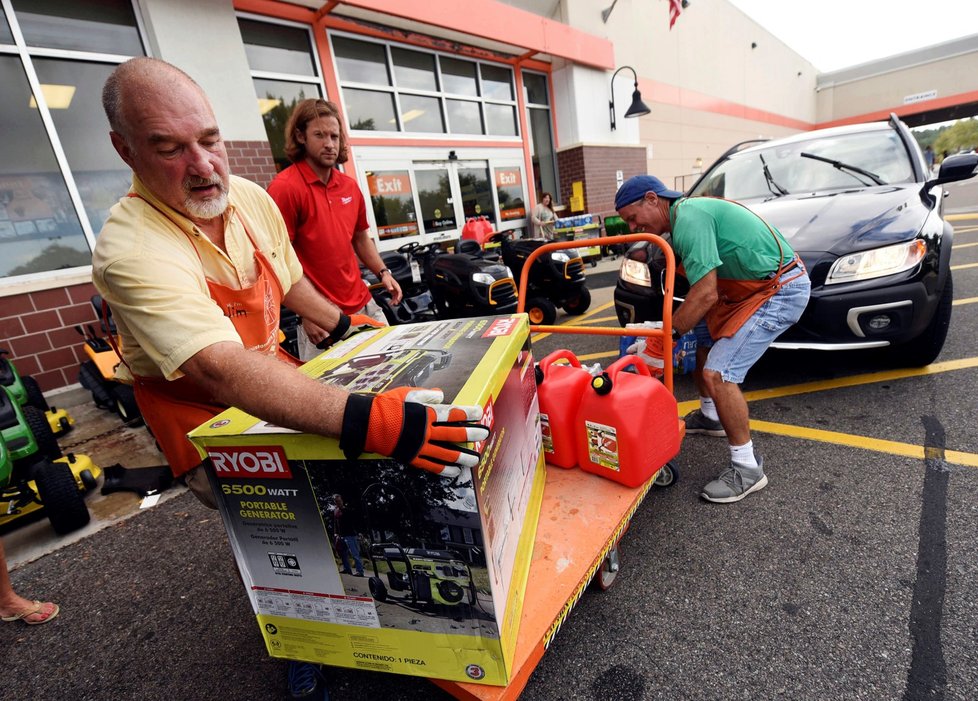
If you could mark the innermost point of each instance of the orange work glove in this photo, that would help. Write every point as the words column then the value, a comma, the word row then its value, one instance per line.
column 349, row 326
column 412, row 426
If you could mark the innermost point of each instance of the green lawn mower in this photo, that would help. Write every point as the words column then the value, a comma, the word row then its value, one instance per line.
column 420, row 576
column 25, row 390
column 35, row 475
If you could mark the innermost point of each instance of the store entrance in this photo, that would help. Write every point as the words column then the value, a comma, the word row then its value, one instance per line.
column 430, row 200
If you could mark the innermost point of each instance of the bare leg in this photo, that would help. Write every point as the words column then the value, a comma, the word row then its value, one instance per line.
column 11, row 604
column 731, row 407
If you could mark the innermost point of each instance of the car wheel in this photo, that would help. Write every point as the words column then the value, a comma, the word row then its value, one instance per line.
column 63, row 503
column 542, row 311
column 125, row 405
column 34, row 395
column 924, row 349
column 579, row 304
column 47, row 444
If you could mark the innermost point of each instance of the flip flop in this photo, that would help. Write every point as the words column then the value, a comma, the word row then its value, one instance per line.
column 34, row 610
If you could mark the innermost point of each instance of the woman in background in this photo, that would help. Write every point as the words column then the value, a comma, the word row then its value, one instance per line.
column 544, row 217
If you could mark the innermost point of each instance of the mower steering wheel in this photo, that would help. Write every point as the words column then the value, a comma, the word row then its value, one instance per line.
column 500, row 236
column 409, row 247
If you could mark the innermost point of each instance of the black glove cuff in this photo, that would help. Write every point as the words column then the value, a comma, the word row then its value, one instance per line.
column 342, row 326
column 414, row 431
column 356, row 421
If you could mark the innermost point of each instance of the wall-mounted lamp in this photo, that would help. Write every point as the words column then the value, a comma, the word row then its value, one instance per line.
column 452, row 156
column 753, row 44
column 637, row 108
column 698, row 164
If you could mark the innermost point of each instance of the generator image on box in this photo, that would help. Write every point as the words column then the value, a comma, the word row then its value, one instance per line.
column 372, row 564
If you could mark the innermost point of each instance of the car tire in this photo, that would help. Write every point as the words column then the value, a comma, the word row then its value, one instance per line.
column 124, row 400
column 47, row 443
column 63, row 502
column 542, row 311
column 34, row 395
column 924, row 349
column 580, row 304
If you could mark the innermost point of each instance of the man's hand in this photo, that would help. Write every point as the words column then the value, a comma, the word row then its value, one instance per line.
column 347, row 326
column 393, row 289
column 412, row 426
column 650, row 350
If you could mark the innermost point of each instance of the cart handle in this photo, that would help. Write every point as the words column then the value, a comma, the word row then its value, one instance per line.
column 667, row 293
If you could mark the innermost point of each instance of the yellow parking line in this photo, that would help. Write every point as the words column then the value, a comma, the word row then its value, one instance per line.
column 601, row 319
column 962, row 267
column 964, row 245
column 575, row 320
column 907, row 450
column 961, row 217
column 598, row 356
column 966, row 300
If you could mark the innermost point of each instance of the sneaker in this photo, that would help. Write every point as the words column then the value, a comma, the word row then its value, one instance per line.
column 736, row 482
column 303, row 679
column 696, row 422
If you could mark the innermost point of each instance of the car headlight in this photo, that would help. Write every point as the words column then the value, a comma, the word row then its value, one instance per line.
column 483, row 278
column 635, row 272
column 560, row 256
column 878, row 262
column 509, row 273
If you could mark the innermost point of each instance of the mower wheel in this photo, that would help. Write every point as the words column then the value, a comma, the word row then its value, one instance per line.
column 88, row 480
column 579, row 304
column 91, row 379
column 47, row 444
column 63, row 503
column 542, row 311
column 377, row 589
column 34, row 395
column 124, row 399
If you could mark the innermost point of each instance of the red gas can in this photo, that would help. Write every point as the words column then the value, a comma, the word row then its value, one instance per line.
column 560, row 387
column 627, row 424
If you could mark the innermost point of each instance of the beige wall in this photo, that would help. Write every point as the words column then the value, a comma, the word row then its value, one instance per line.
column 702, row 80
column 872, row 88
column 201, row 37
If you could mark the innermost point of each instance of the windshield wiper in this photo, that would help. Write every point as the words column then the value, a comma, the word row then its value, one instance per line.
column 771, row 184
column 845, row 166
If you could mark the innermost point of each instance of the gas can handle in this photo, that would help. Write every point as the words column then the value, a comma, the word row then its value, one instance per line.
column 560, row 354
column 627, row 361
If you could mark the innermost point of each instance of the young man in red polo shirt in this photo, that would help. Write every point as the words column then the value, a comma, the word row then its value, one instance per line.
column 326, row 216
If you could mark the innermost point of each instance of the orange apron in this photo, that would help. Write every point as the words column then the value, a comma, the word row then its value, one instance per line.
column 173, row 408
column 737, row 300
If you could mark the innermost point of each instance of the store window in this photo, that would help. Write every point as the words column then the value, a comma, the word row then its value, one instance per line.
column 59, row 174
column 99, row 27
column 541, row 135
column 391, row 88
column 39, row 227
column 392, row 199
column 284, row 70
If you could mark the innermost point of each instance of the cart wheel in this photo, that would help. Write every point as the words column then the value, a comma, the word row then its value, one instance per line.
column 668, row 476
column 609, row 569
column 377, row 589
column 542, row 311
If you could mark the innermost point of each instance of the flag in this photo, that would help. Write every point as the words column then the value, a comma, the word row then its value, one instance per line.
column 675, row 7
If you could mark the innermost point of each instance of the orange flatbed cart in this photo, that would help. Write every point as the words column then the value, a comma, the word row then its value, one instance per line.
column 561, row 567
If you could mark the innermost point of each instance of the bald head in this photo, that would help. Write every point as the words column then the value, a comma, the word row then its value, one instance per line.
column 137, row 81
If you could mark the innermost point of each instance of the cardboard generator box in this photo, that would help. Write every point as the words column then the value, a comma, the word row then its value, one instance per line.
column 444, row 561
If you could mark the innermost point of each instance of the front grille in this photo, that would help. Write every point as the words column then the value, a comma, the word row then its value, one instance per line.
column 574, row 269
column 502, row 293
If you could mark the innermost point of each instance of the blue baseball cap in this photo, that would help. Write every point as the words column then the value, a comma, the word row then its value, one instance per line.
column 634, row 189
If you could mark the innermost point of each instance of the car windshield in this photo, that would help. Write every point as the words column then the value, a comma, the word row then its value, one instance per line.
column 843, row 161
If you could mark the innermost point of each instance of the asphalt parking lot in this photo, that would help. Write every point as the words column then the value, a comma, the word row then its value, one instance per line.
column 853, row 575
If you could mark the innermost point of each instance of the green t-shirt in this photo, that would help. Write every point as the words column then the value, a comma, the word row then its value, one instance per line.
column 714, row 234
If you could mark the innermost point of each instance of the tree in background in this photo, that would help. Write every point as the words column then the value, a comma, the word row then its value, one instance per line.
column 962, row 135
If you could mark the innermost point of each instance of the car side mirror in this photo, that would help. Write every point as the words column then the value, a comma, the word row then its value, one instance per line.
column 953, row 169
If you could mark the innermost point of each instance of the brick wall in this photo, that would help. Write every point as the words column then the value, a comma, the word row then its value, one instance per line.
column 596, row 166
column 38, row 328
column 252, row 160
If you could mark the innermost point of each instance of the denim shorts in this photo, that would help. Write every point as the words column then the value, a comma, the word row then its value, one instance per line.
column 733, row 357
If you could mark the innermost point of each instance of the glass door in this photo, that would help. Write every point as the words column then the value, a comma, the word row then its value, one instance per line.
column 436, row 199
column 475, row 189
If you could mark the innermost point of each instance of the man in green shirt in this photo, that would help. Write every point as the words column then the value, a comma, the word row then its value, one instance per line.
column 746, row 287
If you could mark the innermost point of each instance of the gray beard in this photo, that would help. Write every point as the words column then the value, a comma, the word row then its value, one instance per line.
column 207, row 209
